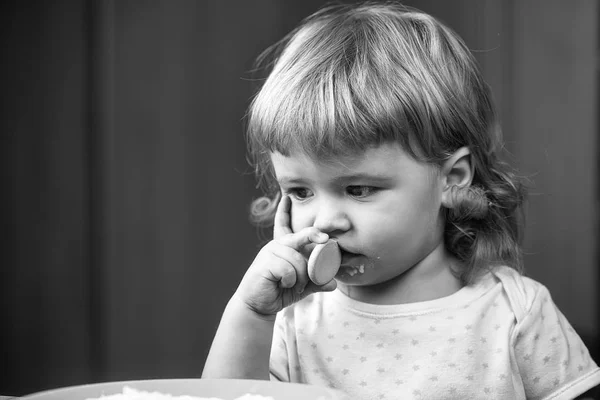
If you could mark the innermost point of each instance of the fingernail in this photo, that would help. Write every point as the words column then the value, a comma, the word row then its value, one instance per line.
column 300, row 290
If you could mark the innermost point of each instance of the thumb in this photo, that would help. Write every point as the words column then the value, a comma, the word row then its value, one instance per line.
column 314, row 288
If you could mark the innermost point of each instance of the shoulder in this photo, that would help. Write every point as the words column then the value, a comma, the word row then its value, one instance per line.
column 524, row 294
column 525, row 287
column 548, row 354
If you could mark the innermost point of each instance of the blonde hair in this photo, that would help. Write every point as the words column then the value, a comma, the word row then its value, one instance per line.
column 352, row 76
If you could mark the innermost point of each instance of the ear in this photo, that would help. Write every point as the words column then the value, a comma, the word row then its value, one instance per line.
column 458, row 170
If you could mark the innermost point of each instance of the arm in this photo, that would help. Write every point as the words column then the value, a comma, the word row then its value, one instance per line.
column 242, row 344
column 277, row 278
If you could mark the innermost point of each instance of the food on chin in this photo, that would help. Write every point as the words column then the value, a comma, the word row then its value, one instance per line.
column 352, row 270
column 129, row 393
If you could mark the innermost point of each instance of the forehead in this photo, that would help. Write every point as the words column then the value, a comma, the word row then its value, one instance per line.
column 384, row 160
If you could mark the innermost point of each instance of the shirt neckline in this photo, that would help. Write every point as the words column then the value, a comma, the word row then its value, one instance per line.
column 462, row 297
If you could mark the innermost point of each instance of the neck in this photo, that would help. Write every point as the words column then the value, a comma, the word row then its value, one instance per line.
column 429, row 279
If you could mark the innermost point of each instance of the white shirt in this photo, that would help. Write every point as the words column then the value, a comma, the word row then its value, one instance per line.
column 500, row 338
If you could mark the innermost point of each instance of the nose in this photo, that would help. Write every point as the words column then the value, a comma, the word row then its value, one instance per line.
column 331, row 218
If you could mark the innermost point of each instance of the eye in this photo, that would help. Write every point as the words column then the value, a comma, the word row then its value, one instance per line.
column 299, row 193
column 361, row 191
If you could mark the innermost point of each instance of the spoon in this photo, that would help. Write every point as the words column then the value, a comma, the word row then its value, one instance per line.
column 324, row 262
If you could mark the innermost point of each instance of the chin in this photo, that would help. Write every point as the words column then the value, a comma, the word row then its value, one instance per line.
column 366, row 275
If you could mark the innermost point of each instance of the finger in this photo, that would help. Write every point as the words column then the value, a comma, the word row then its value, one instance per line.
column 294, row 258
column 328, row 287
column 281, row 225
column 314, row 288
column 303, row 237
column 284, row 273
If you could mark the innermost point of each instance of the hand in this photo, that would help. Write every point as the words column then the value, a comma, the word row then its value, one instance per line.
column 278, row 277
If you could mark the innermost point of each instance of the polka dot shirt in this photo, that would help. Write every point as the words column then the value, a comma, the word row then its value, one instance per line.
column 501, row 338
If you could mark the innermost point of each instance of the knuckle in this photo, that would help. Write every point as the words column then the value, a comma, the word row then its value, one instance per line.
column 289, row 272
column 289, row 275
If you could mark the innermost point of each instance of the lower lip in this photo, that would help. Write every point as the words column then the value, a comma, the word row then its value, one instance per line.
column 351, row 259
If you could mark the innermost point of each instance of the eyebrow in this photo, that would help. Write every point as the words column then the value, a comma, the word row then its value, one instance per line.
column 288, row 180
column 340, row 179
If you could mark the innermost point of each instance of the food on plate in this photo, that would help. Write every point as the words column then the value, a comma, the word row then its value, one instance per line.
column 129, row 393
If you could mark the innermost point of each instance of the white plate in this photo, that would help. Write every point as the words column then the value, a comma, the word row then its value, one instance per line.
column 226, row 389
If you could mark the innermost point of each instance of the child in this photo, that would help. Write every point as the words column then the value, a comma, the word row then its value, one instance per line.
column 375, row 129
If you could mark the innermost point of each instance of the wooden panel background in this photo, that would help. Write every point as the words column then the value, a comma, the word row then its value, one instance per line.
column 125, row 186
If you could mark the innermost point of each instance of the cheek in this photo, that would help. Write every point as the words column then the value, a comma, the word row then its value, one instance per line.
column 299, row 218
column 404, row 220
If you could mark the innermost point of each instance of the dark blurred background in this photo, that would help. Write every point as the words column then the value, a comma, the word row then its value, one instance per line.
column 125, row 188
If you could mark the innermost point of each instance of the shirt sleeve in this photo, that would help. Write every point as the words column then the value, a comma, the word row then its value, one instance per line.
column 278, row 364
column 552, row 359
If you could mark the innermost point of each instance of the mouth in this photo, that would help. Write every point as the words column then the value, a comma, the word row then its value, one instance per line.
column 352, row 260
column 346, row 254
